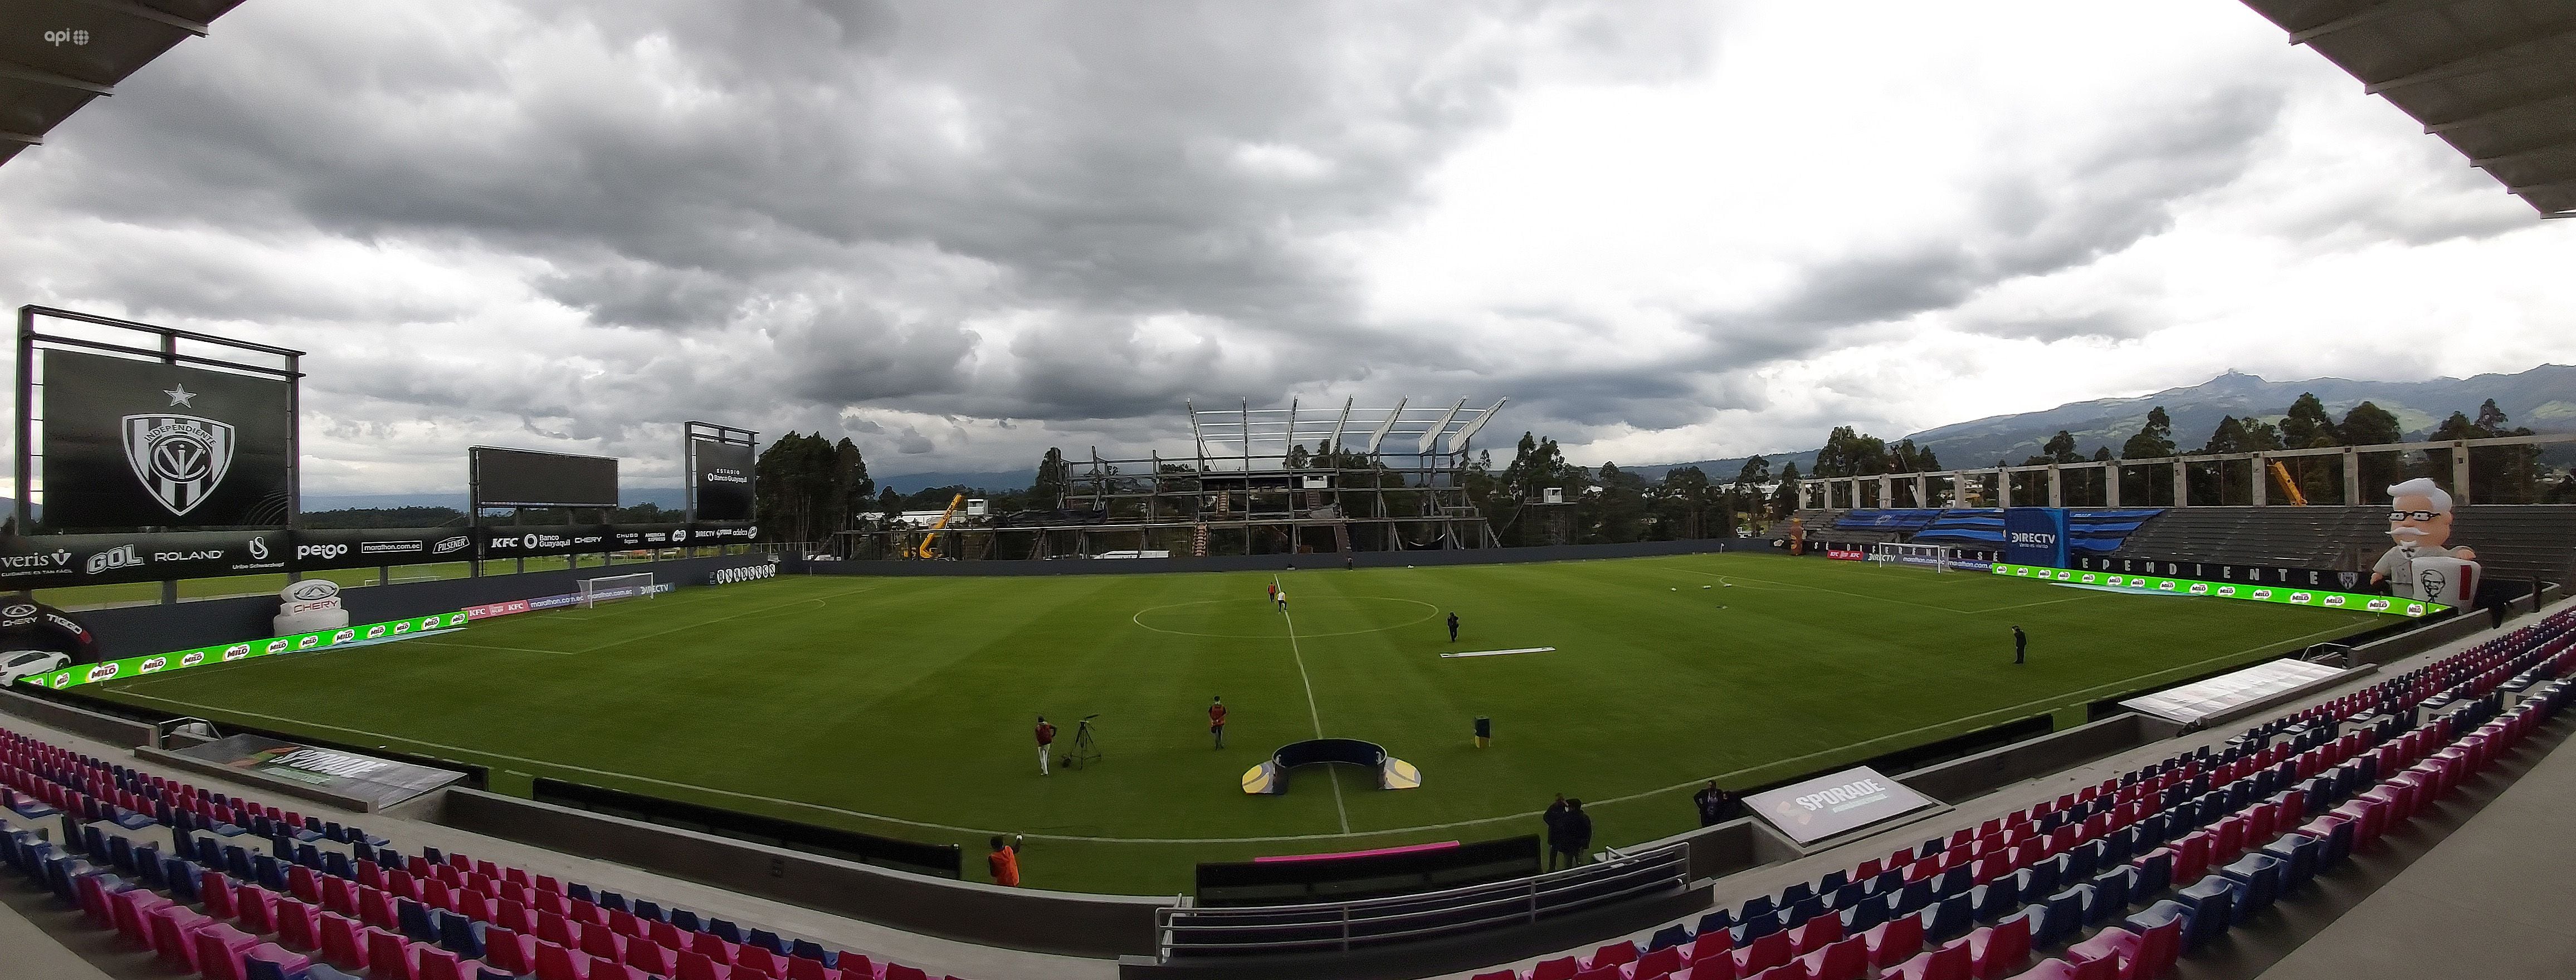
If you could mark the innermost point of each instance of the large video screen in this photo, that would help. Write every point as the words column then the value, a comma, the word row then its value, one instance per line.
column 723, row 480
column 131, row 444
column 521, row 478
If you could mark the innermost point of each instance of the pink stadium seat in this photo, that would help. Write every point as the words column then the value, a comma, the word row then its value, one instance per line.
column 898, row 971
column 1950, row 962
column 1763, row 954
column 129, row 908
column 257, row 908
column 215, row 892
column 2000, row 949
column 174, row 935
column 698, row 966
column 1816, row 934
column 510, row 950
column 1847, row 959
column 344, row 945
column 297, row 928
column 765, row 962
column 650, row 957
column 219, row 951
column 389, row 957
column 557, row 963
column 1656, row 963
column 1894, row 941
column 289, row 963
column 1715, row 942
column 438, row 964
column 1619, row 953
column 2140, row 956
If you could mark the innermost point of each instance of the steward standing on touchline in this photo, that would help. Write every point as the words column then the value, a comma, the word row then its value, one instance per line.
column 1005, row 860
column 1046, row 739
column 1216, row 720
column 2021, row 644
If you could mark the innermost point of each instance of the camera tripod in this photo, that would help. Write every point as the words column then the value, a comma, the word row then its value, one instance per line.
column 1086, row 747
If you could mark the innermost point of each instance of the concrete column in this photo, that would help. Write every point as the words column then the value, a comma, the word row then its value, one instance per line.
column 1886, row 490
column 1923, row 491
column 2056, row 486
column 2262, row 481
column 2111, row 484
column 2003, row 488
column 2182, row 487
column 2459, row 472
column 2351, row 477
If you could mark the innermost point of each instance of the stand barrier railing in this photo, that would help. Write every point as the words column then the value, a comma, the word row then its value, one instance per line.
column 1187, row 932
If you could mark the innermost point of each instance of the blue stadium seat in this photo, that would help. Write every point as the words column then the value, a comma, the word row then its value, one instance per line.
column 2212, row 903
column 1993, row 902
column 1795, row 893
column 1832, row 881
column 1864, row 916
column 2110, row 896
column 686, row 921
column 1914, row 897
column 1952, row 918
column 1714, row 921
column 1671, row 935
column 725, row 930
column 2155, row 873
column 415, row 922
column 1954, row 882
column 1755, row 907
column 645, row 909
column 2263, row 877
column 2301, row 852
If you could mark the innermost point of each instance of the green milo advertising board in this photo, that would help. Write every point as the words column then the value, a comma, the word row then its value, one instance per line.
column 157, row 663
column 2286, row 595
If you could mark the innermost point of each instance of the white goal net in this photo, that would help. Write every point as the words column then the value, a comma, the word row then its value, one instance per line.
column 1901, row 554
column 616, row 588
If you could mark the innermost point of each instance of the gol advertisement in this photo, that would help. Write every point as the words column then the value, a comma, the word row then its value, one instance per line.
column 225, row 653
column 2157, row 584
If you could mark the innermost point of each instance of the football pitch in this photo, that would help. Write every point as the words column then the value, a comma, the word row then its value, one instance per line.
column 903, row 706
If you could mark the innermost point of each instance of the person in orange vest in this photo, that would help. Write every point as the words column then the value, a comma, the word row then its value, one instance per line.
column 1005, row 860
column 1216, row 720
column 1046, row 741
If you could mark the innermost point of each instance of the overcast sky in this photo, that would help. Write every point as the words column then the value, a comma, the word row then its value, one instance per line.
column 962, row 232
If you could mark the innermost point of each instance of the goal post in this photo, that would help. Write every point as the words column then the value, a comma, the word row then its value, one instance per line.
column 1900, row 553
column 616, row 588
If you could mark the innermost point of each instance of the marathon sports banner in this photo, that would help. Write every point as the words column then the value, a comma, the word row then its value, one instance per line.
column 226, row 653
column 2245, row 591
column 131, row 443
column 723, row 480
column 1825, row 806
column 383, row 781
column 2210, row 571
column 2035, row 536
column 58, row 560
column 376, row 547
column 557, row 539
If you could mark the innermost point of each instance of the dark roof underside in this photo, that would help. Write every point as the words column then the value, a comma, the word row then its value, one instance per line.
column 2496, row 79
column 59, row 54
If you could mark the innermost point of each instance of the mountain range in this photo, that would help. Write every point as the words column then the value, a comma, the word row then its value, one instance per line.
column 2543, row 398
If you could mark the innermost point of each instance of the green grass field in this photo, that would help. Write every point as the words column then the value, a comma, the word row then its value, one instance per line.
column 902, row 706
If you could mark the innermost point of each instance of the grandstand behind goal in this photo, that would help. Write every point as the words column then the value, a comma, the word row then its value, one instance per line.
column 1899, row 553
column 616, row 588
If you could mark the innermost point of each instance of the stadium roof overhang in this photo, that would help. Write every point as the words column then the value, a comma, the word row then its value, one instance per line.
column 2496, row 79
column 57, row 55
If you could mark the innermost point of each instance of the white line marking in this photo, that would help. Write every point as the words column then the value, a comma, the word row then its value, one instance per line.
column 1498, row 653
column 1311, row 712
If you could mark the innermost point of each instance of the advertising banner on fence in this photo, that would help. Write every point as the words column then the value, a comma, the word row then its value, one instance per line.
column 59, row 560
column 227, row 653
column 704, row 533
column 1828, row 805
column 557, row 539
column 384, row 781
column 2035, row 536
column 2161, row 585
column 2211, row 571
column 645, row 537
column 132, row 443
column 372, row 547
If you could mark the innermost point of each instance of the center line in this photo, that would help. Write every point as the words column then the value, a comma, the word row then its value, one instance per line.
column 1311, row 713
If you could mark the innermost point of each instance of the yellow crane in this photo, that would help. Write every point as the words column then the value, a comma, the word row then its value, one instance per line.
column 929, row 541
column 2289, row 487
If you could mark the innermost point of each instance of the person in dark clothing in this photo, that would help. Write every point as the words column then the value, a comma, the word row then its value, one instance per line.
column 1557, row 832
column 1715, row 805
column 1578, row 826
column 2021, row 644
column 1453, row 627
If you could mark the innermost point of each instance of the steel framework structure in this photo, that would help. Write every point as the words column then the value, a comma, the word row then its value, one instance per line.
column 1257, row 480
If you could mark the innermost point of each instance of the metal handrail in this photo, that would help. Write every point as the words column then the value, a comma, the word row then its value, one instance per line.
column 1392, row 919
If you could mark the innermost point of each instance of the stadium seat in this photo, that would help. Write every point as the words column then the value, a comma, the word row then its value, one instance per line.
column 389, row 956
column 2062, row 917
column 174, row 930
column 219, row 951
column 1845, row 959
column 1816, row 934
column 1657, row 962
column 1671, row 935
column 1764, row 953
column 1951, row 962
column 2001, row 948
column 1561, row 968
column 1951, row 918
column 343, row 942
column 1894, row 941
column 2141, row 955
column 1711, row 943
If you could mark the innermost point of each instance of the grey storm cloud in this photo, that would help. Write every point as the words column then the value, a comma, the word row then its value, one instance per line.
column 927, row 223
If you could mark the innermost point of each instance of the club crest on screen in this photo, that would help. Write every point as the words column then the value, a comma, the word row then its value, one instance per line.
column 179, row 458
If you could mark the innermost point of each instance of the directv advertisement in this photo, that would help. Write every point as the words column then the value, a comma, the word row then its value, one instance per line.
column 723, row 480
column 131, row 444
column 377, row 547
column 2035, row 536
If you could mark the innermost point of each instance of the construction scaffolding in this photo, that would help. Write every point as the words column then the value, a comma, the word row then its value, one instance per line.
column 1255, row 481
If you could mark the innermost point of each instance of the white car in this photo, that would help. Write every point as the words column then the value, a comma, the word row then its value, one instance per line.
column 16, row 665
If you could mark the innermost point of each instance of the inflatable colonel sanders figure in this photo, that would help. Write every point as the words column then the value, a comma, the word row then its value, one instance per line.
column 2420, row 566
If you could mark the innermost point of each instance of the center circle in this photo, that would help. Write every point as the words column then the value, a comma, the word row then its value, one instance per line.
column 1319, row 604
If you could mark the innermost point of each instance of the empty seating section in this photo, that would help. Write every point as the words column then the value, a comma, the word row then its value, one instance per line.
column 2121, row 879
column 228, row 908
column 2519, row 541
column 1903, row 520
column 2298, row 537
